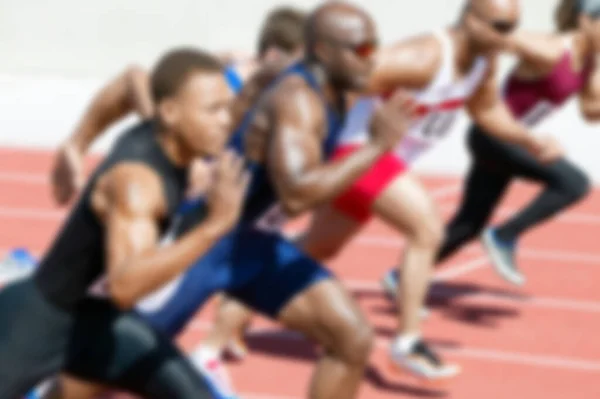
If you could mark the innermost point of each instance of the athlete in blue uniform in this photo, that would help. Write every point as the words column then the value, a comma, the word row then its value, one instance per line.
column 285, row 138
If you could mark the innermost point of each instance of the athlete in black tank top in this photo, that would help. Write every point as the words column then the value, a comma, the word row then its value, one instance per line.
column 113, row 230
column 77, row 256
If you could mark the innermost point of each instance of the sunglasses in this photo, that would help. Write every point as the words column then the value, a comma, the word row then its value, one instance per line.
column 503, row 27
column 362, row 50
column 499, row 26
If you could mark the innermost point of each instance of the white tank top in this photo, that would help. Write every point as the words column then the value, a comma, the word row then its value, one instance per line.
column 438, row 105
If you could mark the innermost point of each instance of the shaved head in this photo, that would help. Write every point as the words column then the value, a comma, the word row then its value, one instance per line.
column 337, row 20
column 502, row 9
column 341, row 38
column 489, row 22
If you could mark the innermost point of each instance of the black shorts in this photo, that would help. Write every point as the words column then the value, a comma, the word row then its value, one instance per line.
column 95, row 342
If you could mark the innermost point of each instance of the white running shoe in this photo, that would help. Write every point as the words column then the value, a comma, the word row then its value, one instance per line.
column 212, row 368
column 420, row 360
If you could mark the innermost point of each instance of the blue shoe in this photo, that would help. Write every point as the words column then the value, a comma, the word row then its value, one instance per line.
column 390, row 283
column 17, row 264
column 502, row 257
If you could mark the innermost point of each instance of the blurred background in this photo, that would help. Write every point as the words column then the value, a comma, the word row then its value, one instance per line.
column 54, row 55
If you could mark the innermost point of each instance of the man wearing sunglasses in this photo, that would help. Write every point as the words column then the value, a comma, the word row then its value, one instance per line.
column 447, row 70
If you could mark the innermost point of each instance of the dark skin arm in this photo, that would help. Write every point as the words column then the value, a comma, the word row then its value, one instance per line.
column 294, row 156
column 252, row 89
column 126, row 93
column 129, row 200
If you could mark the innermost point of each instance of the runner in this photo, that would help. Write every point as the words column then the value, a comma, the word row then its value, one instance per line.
column 552, row 69
column 112, row 230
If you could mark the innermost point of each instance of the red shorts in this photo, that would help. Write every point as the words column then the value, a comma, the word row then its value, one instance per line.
column 357, row 200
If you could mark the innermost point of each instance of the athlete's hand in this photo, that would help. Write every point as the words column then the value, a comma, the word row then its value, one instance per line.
column 227, row 192
column 391, row 120
column 547, row 149
column 67, row 174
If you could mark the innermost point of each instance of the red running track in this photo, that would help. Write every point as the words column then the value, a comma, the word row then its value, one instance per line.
column 537, row 342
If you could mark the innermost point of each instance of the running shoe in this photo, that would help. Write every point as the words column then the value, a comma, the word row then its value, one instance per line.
column 502, row 257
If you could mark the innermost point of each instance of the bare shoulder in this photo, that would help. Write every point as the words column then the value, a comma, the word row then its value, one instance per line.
column 410, row 63
column 134, row 189
column 294, row 98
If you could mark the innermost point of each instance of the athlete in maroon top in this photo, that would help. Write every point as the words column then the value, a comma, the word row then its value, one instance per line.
column 553, row 68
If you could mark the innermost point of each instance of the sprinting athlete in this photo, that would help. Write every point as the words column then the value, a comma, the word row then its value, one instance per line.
column 302, row 111
column 113, row 231
column 552, row 68
column 447, row 70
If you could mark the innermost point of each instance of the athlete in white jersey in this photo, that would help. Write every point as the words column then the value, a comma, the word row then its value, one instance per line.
column 438, row 105
column 445, row 71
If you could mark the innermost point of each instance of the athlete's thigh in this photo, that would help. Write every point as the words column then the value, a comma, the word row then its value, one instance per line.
column 482, row 191
column 407, row 204
column 33, row 337
column 321, row 309
column 68, row 387
column 120, row 350
column 329, row 231
column 285, row 271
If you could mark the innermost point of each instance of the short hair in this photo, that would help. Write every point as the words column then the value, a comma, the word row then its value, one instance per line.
column 174, row 68
column 283, row 28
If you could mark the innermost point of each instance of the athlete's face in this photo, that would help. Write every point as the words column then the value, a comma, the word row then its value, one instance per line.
column 348, row 53
column 200, row 113
column 489, row 23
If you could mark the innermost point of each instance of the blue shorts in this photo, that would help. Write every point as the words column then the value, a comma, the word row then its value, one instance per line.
column 263, row 270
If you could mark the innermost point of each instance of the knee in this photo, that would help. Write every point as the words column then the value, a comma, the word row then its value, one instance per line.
column 581, row 185
column 428, row 233
column 575, row 184
column 354, row 339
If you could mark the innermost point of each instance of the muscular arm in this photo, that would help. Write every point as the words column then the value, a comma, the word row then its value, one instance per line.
column 294, row 155
column 411, row 64
column 128, row 92
column 589, row 97
column 537, row 52
column 489, row 111
column 252, row 88
column 129, row 199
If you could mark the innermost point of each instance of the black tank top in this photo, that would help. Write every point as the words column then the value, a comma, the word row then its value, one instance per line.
column 77, row 256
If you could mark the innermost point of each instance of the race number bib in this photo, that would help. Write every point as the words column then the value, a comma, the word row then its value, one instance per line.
column 437, row 124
